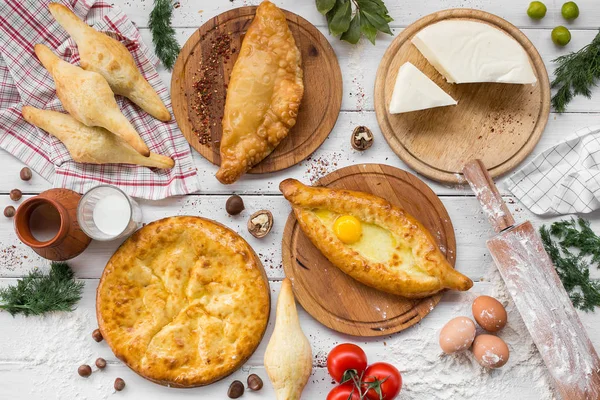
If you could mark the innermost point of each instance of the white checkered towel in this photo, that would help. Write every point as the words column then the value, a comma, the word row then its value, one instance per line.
column 24, row 81
column 564, row 179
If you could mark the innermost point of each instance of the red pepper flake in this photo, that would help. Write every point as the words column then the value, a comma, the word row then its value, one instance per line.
column 205, row 83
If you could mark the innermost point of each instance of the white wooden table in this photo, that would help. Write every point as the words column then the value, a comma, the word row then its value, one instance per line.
column 39, row 356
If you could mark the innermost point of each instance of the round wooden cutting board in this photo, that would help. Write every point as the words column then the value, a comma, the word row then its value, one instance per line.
column 334, row 298
column 320, row 105
column 499, row 124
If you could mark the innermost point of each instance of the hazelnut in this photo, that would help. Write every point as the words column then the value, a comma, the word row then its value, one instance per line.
column 236, row 389
column 9, row 212
column 97, row 335
column 234, row 205
column 26, row 174
column 101, row 363
column 260, row 223
column 15, row 195
column 362, row 138
column 84, row 370
column 119, row 384
column 254, row 382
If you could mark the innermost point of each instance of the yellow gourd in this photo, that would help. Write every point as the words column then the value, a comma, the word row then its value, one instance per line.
column 288, row 358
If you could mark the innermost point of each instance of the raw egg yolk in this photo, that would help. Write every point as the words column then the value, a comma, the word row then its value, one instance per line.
column 347, row 228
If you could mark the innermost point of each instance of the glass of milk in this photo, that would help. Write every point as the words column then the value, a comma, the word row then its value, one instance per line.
column 105, row 212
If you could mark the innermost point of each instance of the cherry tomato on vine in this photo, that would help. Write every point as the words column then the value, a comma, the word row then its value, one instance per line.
column 389, row 378
column 344, row 357
column 346, row 391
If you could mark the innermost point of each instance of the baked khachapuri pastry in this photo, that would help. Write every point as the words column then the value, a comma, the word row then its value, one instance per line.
column 263, row 95
column 111, row 59
column 183, row 302
column 88, row 98
column 91, row 144
column 373, row 241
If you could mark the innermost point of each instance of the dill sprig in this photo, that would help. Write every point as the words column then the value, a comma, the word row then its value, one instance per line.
column 38, row 293
column 577, row 73
column 573, row 268
column 578, row 234
column 163, row 34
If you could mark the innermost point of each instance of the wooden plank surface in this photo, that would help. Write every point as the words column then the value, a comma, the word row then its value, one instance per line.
column 39, row 356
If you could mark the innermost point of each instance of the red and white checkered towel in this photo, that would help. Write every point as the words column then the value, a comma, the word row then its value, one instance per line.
column 24, row 81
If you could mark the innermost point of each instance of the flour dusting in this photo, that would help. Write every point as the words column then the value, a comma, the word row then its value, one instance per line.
column 428, row 373
column 51, row 349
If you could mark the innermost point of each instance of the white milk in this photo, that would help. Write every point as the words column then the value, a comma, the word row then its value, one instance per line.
column 112, row 214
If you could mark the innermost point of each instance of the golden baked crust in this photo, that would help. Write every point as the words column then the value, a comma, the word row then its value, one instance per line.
column 263, row 95
column 100, row 53
column 183, row 302
column 91, row 144
column 88, row 98
column 396, row 254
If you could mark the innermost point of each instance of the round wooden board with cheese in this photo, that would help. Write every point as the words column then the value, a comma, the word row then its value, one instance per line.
column 337, row 300
column 498, row 123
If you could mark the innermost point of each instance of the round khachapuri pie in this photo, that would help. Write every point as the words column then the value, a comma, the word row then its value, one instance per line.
column 183, row 302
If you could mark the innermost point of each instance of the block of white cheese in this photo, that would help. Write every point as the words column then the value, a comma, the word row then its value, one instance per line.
column 415, row 91
column 466, row 51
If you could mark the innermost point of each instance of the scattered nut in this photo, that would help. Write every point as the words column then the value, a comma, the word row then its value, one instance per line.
column 84, row 370
column 101, row 363
column 234, row 205
column 236, row 389
column 97, row 335
column 362, row 138
column 9, row 212
column 260, row 223
column 26, row 174
column 254, row 382
column 15, row 195
column 119, row 384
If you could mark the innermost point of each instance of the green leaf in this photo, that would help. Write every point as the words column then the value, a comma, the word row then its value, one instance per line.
column 375, row 15
column 352, row 35
column 342, row 15
column 324, row 6
column 367, row 29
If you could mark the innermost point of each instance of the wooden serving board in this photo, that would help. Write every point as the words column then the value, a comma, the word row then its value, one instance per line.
column 320, row 105
column 499, row 124
column 334, row 298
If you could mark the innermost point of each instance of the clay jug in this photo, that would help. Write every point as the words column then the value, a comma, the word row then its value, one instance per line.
column 69, row 240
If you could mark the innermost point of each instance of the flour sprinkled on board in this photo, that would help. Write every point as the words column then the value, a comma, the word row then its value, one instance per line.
column 430, row 374
column 51, row 348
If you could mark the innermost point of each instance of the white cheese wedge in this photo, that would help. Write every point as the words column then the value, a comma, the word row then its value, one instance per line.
column 468, row 51
column 415, row 91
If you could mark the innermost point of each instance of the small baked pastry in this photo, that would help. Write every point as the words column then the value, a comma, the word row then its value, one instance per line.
column 373, row 241
column 88, row 98
column 111, row 59
column 183, row 302
column 263, row 94
column 91, row 145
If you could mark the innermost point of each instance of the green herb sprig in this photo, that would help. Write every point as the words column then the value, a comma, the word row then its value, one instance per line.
column 573, row 268
column 163, row 35
column 38, row 293
column 370, row 16
column 577, row 73
column 578, row 234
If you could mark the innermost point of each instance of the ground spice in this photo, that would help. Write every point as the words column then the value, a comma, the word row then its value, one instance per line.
column 208, row 95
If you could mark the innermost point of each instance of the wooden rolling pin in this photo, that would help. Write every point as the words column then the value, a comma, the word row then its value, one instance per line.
column 538, row 294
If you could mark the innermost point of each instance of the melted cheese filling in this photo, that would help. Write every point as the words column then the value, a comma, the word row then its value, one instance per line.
column 376, row 244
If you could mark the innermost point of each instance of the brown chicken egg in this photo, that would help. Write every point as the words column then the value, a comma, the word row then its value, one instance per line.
column 490, row 351
column 457, row 335
column 489, row 313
